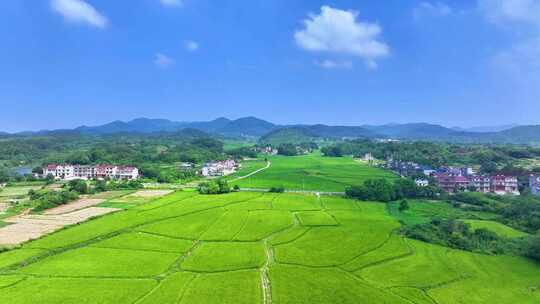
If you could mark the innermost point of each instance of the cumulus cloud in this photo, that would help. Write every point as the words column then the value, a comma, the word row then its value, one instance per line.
column 79, row 11
column 172, row 3
column 191, row 46
column 339, row 31
column 429, row 9
column 163, row 61
column 511, row 11
column 333, row 65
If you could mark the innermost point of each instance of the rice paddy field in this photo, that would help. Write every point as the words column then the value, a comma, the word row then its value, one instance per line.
column 311, row 172
column 249, row 247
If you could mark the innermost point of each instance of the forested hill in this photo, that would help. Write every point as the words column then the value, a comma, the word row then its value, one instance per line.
column 270, row 132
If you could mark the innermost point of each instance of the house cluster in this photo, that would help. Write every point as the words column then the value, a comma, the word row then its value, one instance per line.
column 453, row 179
column 269, row 150
column 534, row 183
column 219, row 168
column 70, row 172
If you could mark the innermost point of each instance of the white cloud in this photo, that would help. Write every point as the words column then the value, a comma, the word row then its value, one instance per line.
column 172, row 3
column 429, row 9
column 191, row 46
column 79, row 11
column 334, row 65
column 339, row 31
column 163, row 61
column 511, row 11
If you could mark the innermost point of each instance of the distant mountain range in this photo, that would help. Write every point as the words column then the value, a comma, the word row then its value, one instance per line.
column 272, row 133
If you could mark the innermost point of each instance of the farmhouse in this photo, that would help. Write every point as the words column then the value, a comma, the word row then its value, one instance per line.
column 70, row 172
column 219, row 168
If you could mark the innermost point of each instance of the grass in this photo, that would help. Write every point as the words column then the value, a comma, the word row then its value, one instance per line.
column 215, row 257
column 421, row 211
column 189, row 248
column 313, row 172
column 316, row 218
column 261, row 224
column 239, row 287
column 17, row 191
column 91, row 262
column 498, row 228
column 144, row 241
column 169, row 290
column 87, row 291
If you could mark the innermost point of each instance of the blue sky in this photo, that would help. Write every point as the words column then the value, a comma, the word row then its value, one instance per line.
column 66, row 63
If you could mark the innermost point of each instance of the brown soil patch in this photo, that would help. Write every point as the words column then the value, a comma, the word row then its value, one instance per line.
column 77, row 205
column 23, row 228
column 151, row 193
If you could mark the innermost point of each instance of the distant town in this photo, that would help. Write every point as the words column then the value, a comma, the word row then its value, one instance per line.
column 455, row 179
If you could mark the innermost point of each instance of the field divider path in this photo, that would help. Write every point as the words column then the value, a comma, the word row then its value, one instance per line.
column 268, row 164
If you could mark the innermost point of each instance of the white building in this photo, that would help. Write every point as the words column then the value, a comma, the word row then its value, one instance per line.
column 422, row 182
column 70, row 172
column 219, row 168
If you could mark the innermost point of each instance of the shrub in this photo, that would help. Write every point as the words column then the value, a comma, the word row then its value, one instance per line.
column 279, row 189
column 214, row 187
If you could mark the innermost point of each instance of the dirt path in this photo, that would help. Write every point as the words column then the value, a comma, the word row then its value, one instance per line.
column 268, row 164
column 265, row 277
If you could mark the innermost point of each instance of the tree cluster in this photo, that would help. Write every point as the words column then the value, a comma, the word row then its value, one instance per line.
column 383, row 190
column 219, row 186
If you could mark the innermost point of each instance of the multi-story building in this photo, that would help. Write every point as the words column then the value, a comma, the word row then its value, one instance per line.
column 501, row 184
column 452, row 183
column 481, row 183
column 534, row 183
column 68, row 171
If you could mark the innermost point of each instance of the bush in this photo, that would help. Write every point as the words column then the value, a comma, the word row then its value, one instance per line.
column 214, row 187
column 47, row 199
column 456, row 234
column 277, row 190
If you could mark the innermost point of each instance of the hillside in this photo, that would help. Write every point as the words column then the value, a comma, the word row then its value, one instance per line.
column 289, row 135
column 255, row 127
column 247, row 126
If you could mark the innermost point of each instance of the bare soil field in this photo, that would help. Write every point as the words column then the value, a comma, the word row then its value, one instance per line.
column 23, row 228
column 151, row 193
column 77, row 205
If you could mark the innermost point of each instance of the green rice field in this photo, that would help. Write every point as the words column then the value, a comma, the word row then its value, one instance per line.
column 249, row 247
column 310, row 172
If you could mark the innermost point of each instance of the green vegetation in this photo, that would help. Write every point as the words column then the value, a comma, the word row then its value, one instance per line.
column 192, row 248
column 500, row 229
column 219, row 186
column 312, row 172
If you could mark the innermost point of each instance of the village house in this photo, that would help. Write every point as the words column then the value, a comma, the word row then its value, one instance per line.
column 219, row 168
column 70, row 172
column 421, row 182
column 499, row 184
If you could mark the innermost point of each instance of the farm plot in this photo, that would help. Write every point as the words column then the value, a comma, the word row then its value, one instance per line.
column 214, row 257
column 313, row 172
column 188, row 248
column 498, row 228
column 28, row 227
